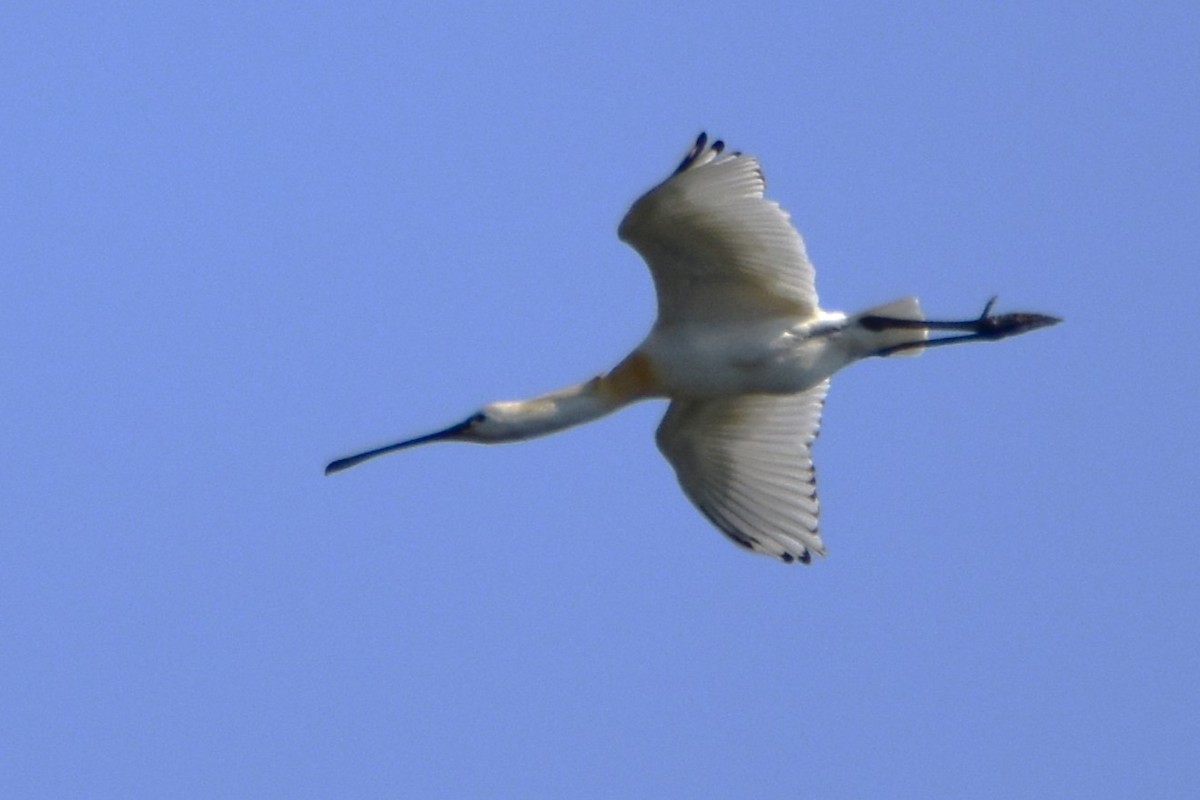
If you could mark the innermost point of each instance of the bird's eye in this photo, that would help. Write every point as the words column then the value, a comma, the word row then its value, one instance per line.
column 476, row 418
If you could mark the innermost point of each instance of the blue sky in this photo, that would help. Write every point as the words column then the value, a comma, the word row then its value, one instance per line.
column 241, row 241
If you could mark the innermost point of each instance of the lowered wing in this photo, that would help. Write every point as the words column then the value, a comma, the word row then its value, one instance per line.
column 746, row 463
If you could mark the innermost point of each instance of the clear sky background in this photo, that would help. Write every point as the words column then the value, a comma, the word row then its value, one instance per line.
column 241, row 240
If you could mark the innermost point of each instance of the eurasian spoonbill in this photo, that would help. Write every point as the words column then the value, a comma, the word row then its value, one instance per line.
column 740, row 348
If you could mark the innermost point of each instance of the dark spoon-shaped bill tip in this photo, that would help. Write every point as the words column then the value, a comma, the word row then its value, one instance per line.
column 354, row 460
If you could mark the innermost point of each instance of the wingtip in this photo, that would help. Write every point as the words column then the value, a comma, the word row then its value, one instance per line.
column 700, row 153
column 693, row 153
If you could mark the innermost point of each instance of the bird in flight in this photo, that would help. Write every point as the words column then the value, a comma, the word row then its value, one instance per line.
column 740, row 348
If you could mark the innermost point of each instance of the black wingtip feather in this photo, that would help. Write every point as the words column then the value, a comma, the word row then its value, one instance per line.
column 698, row 149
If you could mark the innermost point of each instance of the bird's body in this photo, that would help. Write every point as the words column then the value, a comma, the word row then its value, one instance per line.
column 740, row 347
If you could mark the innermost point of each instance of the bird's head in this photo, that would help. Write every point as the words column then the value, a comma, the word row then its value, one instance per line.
column 474, row 428
column 496, row 422
column 505, row 421
column 508, row 420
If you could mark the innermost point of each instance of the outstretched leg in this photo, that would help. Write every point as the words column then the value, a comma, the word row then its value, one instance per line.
column 984, row 327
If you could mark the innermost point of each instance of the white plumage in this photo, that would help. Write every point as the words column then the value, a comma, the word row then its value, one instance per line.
column 740, row 347
column 746, row 462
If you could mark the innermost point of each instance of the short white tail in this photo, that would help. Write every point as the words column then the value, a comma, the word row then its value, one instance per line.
column 904, row 308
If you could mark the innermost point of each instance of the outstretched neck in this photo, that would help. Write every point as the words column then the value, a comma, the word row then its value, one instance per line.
column 631, row 380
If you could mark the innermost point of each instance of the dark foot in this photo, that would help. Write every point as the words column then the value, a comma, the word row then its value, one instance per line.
column 999, row 327
column 986, row 327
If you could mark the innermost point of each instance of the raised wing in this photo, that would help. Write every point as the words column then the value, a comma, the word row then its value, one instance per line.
column 716, row 248
column 746, row 463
